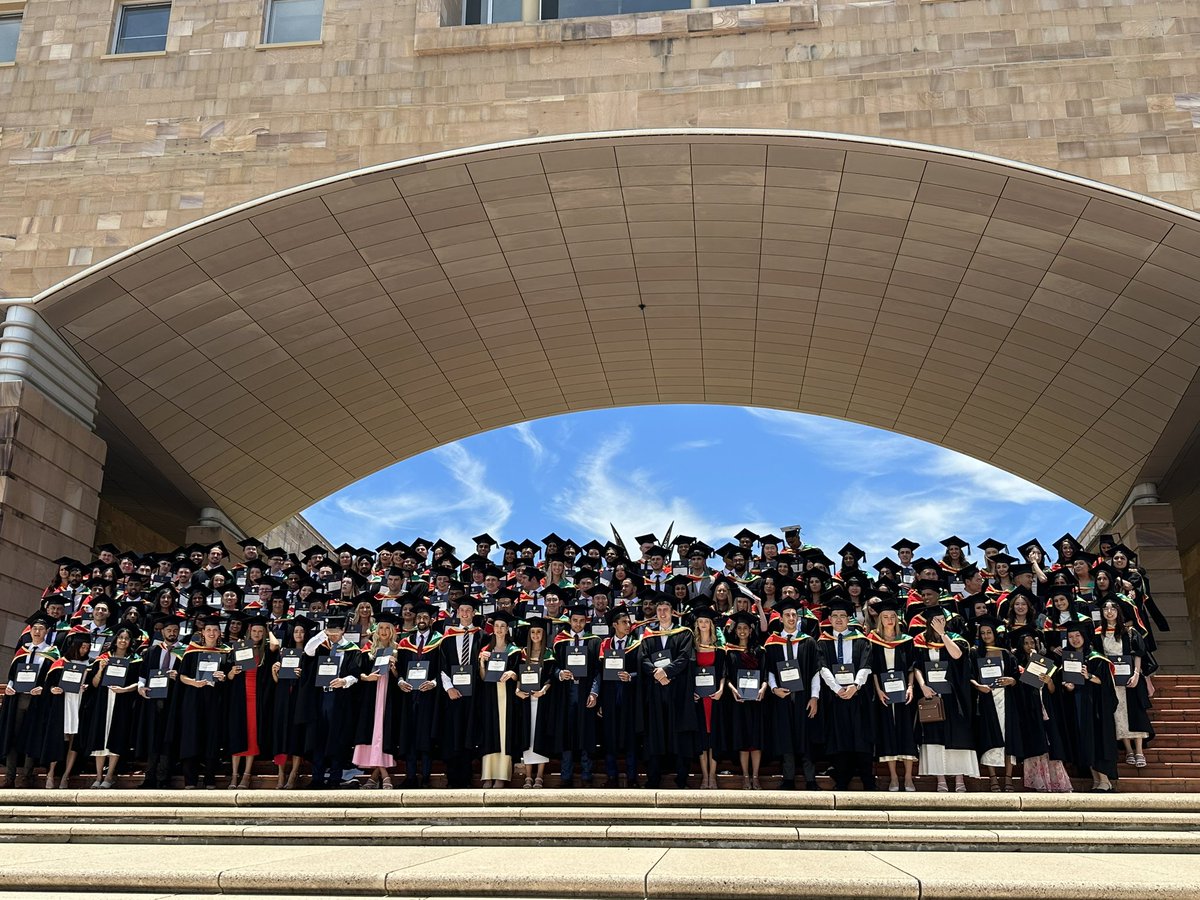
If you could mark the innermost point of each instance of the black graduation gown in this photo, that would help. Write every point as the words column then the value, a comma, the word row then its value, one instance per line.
column 540, row 737
column 668, row 712
column 458, row 725
column 745, row 728
column 122, row 730
column 331, row 724
column 957, row 732
column 197, row 717
column 574, row 723
column 51, row 743
column 1137, row 698
column 26, row 740
column 1090, row 729
column 288, row 713
column 710, row 725
column 153, row 735
column 789, row 729
column 848, row 725
column 364, row 714
column 619, row 699
column 490, row 698
column 988, row 735
column 264, row 699
column 895, row 723
column 419, row 712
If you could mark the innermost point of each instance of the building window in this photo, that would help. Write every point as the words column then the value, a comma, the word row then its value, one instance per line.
column 142, row 29
column 488, row 12
column 293, row 21
column 10, row 30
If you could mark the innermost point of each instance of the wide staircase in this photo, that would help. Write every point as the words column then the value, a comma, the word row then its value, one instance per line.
column 620, row 843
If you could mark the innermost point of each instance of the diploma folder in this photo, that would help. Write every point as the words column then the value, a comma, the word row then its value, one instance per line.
column 72, row 677
column 895, row 685
column 614, row 664
column 706, row 681
column 158, row 684
column 1037, row 666
column 497, row 663
column 748, row 683
column 1074, row 667
column 289, row 664
column 937, row 676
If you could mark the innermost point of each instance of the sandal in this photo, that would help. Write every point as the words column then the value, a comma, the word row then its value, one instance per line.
column 291, row 782
column 528, row 783
column 49, row 782
column 994, row 783
column 942, row 788
column 1140, row 761
column 754, row 783
column 746, row 786
column 244, row 784
column 387, row 784
column 1008, row 785
column 537, row 782
column 371, row 785
column 1130, row 759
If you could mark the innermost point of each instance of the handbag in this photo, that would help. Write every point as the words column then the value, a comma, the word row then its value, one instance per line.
column 931, row 710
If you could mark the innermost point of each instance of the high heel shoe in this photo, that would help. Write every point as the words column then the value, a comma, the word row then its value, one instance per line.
column 244, row 784
column 291, row 782
column 994, row 783
column 746, row 785
column 754, row 783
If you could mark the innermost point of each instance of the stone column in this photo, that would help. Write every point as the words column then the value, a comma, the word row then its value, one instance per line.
column 51, row 462
column 530, row 10
column 1149, row 529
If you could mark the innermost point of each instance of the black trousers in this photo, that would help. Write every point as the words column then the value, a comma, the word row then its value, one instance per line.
column 787, row 766
column 458, row 769
column 654, row 770
column 158, row 770
column 847, row 765
column 191, row 770
column 417, row 769
column 16, row 758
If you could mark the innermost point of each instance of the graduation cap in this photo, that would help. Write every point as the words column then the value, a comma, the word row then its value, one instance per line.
column 1068, row 539
column 656, row 550
column 601, row 588
column 1085, row 557
column 593, row 545
column 388, row 618
column 615, row 613
column 682, row 539
column 276, row 553
column 887, row 563
column 219, row 545
column 40, row 618
column 531, row 546
column 1130, row 555
column 858, row 578
column 728, row 550
column 344, row 548
column 558, row 556
column 699, row 548
column 764, row 539
column 839, row 603
column 69, row 562
column 111, row 548
column 851, row 549
column 927, row 584
column 1060, row 590
column 790, row 529
column 1112, row 539
column 1004, row 558
column 675, row 580
column 785, row 603
column 551, row 538
column 445, row 547
column 538, row 622
column 885, row 603
column 745, row 618
column 646, row 539
column 251, row 542
column 335, row 621
column 955, row 541
column 905, row 544
column 425, row 608
column 314, row 551
column 705, row 612
column 990, row 621
column 1016, row 569
column 992, row 544
column 816, row 555
column 744, row 534
column 925, row 562
column 968, row 571
column 484, row 538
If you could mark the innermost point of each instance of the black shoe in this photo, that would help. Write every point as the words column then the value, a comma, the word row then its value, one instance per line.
column 786, row 785
column 811, row 786
column 634, row 784
column 316, row 785
column 408, row 783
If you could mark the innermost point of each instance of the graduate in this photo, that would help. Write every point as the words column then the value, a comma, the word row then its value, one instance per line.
column 538, row 671
column 418, row 670
column 668, row 654
column 946, row 747
column 154, row 743
column 460, row 683
column 499, row 732
column 577, row 656
column 710, row 654
column 892, row 660
column 1089, row 711
column 21, row 718
column 998, row 734
column 250, row 700
column 110, row 726
column 60, row 722
column 848, row 726
column 618, row 703
column 1042, row 746
column 197, row 722
column 793, row 675
column 288, row 730
column 746, row 734
column 1124, row 646
column 375, row 745
column 331, row 704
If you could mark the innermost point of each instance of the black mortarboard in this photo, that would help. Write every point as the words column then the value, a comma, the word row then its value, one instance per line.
column 839, row 603
column 955, row 541
column 988, row 620
column 816, row 555
column 615, row 613
column 850, row 548
column 387, row 618
column 111, row 548
column 968, row 571
column 484, row 538
column 785, row 603
column 701, row 548
column 335, row 621
column 552, row 538
column 992, row 542
column 746, row 533
column 705, row 612
column 1069, row 539
column 657, row 550
column 1060, row 590
column 314, row 550
column 1020, row 569
column 343, row 548
column 927, row 584
column 1004, row 558
column 682, row 539
column 727, row 550
column 646, row 539
column 905, row 544
column 887, row 563
column 41, row 618
column 764, row 539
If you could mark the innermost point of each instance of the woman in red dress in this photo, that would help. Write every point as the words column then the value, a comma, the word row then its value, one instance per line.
column 710, row 660
column 250, row 701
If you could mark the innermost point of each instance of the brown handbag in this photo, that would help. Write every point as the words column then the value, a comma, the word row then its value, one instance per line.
column 931, row 710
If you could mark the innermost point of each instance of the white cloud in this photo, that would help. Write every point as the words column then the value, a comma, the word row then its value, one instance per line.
column 858, row 448
column 454, row 514
column 524, row 434
column 700, row 444
column 980, row 476
column 601, row 491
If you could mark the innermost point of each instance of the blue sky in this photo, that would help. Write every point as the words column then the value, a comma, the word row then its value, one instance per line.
column 710, row 469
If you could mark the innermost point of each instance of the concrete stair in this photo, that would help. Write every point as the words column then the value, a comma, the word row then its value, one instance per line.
column 595, row 843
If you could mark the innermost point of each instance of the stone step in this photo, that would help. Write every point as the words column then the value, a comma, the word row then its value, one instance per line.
column 649, row 873
column 1176, row 725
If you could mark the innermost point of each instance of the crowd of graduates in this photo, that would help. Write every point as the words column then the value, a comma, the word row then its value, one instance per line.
column 363, row 668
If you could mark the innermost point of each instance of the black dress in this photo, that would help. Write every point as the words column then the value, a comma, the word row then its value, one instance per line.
column 287, row 735
column 745, row 720
column 895, row 723
column 988, row 732
column 538, row 736
column 115, row 736
column 1091, row 730
column 264, row 702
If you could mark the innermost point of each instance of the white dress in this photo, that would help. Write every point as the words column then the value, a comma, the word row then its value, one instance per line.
column 1112, row 647
column 529, row 757
column 937, row 760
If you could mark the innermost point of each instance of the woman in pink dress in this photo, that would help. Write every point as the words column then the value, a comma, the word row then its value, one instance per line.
column 375, row 735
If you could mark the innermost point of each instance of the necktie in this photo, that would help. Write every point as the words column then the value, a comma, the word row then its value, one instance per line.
column 787, row 647
column 465, row 648
column 841, row 647
column 420, row 643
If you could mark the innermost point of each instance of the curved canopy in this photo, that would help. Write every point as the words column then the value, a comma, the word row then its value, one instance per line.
column 265, row 357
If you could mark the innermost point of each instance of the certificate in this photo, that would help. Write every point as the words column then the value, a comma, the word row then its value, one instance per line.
column 577, row 663
column 991, row 670
column 843, row 674
column 1122, row 669
column 327, row 672
column 243, row 655
column 114, row 674
column 748, row 683
column 937, row 676
column 789, row 675
column 383, row 658
column 706, row 681
column 460, row 678
column 26, row 679
column 614, row 664
column 895, row 685
column 661, row 659
column 72, row 677
column 417, row 672
column 531, row 677
column 158, row 684
column 1074, row 670
column 497, row 663
column 207, row 665
column 289, row 664
column 1037, row 666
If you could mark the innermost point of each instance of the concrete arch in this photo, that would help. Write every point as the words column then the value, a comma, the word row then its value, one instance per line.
column 262, row 358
